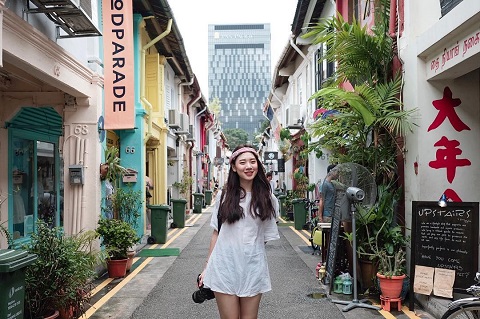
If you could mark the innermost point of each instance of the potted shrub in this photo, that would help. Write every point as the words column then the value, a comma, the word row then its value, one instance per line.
column 118, row 237
column 179, row 206
column 184, row 185
column 383, row 240
column 127, row 204
column 377, row 229
column 391, row 272
column 61, row 277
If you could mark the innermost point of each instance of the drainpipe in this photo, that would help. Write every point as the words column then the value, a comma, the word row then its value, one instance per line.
column 180, row 92
column 197, row 116
column 211, row 124
column 142, row 75
column 297, row 48
column 393, row 18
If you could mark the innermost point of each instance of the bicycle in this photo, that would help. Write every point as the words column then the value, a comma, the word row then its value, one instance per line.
column 311, row 206
column 466, row 307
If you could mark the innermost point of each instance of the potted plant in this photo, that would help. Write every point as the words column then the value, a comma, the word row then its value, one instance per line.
column 381, row 239
column 179, row 206
column 118, row 237
column 127, row 204
column 61, row 276
column 391, row 272
column 184, row 185
column 377, row 229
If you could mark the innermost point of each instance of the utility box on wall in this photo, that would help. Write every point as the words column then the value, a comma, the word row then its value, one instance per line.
column 130, row 176
column 76, row 174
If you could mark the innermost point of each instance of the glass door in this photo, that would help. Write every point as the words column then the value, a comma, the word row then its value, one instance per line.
column 36, row 187
column 46, row 182
column 22, row 192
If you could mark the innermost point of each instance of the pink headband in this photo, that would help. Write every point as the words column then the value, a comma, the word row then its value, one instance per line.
column 240, row 151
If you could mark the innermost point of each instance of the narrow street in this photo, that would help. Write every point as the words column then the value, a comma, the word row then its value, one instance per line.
column 162, row 287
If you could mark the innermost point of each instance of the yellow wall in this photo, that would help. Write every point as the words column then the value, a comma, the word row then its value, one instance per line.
column 154, row 93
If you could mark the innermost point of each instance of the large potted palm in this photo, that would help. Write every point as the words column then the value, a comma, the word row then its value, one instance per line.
column 367, row 122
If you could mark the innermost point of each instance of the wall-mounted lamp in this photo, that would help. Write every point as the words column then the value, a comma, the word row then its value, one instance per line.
column 442, row 202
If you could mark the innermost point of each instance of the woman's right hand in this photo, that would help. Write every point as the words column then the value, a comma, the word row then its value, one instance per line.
column 200, row 279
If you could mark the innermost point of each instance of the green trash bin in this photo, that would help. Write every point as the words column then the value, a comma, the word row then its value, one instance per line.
column 197, row 203
column 179, row 211
column 159, row 223
column 13, row 264
column 208, row 196
column 282, row 200
column 299, row 213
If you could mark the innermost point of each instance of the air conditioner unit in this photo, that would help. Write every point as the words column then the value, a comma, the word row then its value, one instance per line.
column 293, row 115
column 184, row 122
column 73, row 16
column 174, row 119
column 191, row 135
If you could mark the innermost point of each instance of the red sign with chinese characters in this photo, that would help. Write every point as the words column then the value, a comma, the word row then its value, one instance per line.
column 448, row 153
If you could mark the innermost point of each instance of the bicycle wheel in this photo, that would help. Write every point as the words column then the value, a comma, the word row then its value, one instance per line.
column 463, row 312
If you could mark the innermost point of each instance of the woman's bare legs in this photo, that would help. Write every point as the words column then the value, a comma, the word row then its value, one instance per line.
column 249, row 307
column 233, row 307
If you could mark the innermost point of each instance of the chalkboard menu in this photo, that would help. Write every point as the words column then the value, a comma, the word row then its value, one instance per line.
column 446, row 237
column 332, row 248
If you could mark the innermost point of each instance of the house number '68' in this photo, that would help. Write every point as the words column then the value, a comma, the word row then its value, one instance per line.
column 81, row 129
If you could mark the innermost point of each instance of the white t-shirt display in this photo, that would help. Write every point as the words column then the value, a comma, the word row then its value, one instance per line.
column 238, row 263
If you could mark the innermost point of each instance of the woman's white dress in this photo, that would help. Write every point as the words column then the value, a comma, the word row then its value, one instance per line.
column 238, row 263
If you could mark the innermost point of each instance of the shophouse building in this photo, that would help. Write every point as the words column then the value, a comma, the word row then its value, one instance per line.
column 439, row 46
column 62, row 86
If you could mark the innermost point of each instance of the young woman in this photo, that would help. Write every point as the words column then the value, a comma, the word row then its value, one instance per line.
column 236, row 269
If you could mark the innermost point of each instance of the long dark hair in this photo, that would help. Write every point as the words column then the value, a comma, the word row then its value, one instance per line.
column 261, row 205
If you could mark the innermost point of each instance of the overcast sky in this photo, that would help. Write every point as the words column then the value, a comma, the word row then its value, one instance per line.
column 194, row 16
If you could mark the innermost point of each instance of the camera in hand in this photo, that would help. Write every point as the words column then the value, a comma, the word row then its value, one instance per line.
column 202, row 293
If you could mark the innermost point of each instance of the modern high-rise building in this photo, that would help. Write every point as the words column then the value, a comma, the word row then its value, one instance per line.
column 239, row 73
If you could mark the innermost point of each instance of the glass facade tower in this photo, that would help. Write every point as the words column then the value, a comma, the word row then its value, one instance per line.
column 239, row 73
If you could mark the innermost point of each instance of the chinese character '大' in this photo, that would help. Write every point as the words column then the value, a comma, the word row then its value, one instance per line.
column 445, row 108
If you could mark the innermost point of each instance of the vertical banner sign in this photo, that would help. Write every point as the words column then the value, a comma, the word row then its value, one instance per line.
column 118, row 64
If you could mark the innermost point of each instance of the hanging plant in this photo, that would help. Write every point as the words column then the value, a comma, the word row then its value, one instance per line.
column 111, row 168
column 284, row 146
column 285, row 134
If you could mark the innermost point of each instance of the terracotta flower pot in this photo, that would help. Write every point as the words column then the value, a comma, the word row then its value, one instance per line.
column 117, row 267
column 130, row 256
column 368, row 269
column 67, row 313
column 391, row 287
